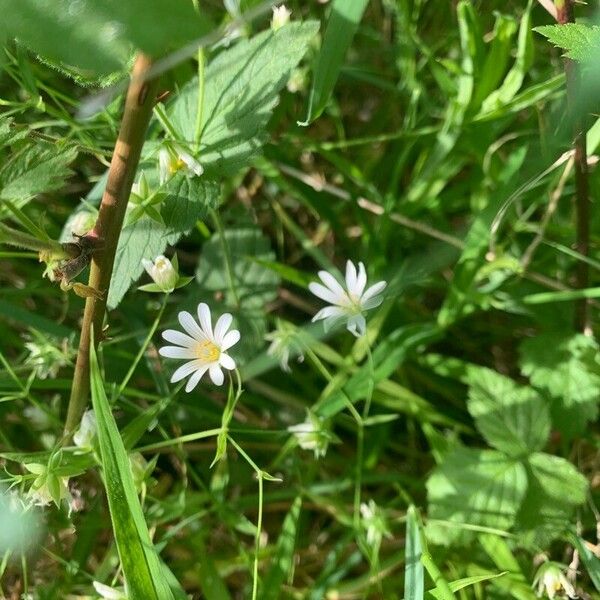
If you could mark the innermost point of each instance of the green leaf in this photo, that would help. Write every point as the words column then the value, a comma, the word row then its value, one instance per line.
column 228, row 266
column 240, row 92
column 98, row 36
column 282, row 568
column 474, row 487
column 567, row 368
column 513, row 419
column 188, row 200
column 590, row 560
column 555, row 488
column 34, row 169
column 581, row 42
column 465, row 582
column 140, row 562
column 211, row 582
column 342, row 24
column 413, row 571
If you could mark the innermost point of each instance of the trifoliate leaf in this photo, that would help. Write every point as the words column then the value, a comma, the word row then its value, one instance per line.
column 240, row 92
column 474, row 487
column 581, row 42
column 513, row 419
column 567, row 368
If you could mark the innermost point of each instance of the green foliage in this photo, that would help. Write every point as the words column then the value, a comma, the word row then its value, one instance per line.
column 414, row 576
column 566, row 367
column 580, row 42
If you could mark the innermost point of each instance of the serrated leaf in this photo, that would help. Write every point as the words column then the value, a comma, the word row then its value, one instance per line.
column 567, row 368
column 555, row 488
column 240, row 92
column 189, row 200
column 99, row 36
column 141, row 566
column 580, row 42
column 513, row 419
column 474, row 487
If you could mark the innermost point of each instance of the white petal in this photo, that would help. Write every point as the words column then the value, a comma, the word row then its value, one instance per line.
column 148, row 266
column 195, row 378
column 176, row 337
column 329, row 312
column 361, row 280
column 176, row 352
column 205, row 320
column 222, row 326
column 226, row 362
column 187, row 369
column 324, row 293
column 375, row 289
column 164, row 161
column 373, row 302
column 350, row 277
column 357, row 325
column 231, row 338
column 216, row 374
column 190, row 325
column 332, row 283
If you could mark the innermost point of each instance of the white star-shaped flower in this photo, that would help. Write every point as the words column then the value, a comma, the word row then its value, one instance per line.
column 204, row 348
column 349, row 303
column 281, row 17
column 174, row 158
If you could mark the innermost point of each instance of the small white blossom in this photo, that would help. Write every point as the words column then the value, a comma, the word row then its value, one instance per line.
column 313, row 434
column 162, row 271
column 109, row 593
column 82, row 222
column 174, row 159
column 281, row 17
column 47, row 487
column 204, row 348
column 84, row 436
column 551, row 580
column 349, row 303
column 285, row 341
column 373, row 521
column 46, row 355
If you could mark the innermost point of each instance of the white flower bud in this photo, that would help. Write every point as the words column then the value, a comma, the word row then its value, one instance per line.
column 281, row 17
column 163, row 272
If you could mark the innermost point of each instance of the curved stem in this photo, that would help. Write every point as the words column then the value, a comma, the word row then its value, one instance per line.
column 136, row 116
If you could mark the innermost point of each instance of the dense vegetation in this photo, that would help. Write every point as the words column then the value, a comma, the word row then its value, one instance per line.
column 432, row 436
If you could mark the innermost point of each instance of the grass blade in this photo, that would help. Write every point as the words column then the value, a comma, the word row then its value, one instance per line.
column 141, row 566
column 413, row 573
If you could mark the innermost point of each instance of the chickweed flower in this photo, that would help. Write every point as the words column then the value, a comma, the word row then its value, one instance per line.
column 47, row 487
column 109, row 593
column 204, row 348
column 551, row 580
column 174, row 158
column 373, row 520
column 350, row 302
column 281, row 17
column 285, row 341
column 46, row 355
column 84, row 437
column 162, row 272
column 313, row 434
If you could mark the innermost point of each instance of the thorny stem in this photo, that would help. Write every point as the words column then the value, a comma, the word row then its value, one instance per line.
column 564, row 14
column 139, row 102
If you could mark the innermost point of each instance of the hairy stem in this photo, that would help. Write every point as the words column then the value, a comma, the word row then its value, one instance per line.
column 564, row 14
column 136, row 116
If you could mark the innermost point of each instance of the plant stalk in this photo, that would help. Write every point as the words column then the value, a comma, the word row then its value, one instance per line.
column 137, row 112
column 565, row 14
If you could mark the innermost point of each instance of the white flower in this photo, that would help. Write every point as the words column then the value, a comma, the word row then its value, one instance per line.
column 281, row 17
column 84, row 436
column 285, row 340
column 162, row 271
column 109, row 593
column 373, row 521
column 551, row 580
column 47, row 487
column 349, row 303
column 204, row 349
column 313, row 434
column 173, row 159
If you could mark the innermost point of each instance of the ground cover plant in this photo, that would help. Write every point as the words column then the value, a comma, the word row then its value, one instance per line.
column 299, row 301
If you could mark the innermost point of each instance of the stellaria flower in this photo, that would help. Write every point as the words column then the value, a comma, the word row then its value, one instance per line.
column 162, row 272
column 551, row 579
column 281, row 17
column 204, row 348
column 47, row 487
column 109, row 593
column 374, row 522
column 286, row 340
column 174, row 158
column 349, row 303
column 313, row 434
column 84, row 436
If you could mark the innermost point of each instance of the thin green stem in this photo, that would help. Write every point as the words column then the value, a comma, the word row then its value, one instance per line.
column 190, row 437
column 227, row 255
column 143, row 348
column 200, row 106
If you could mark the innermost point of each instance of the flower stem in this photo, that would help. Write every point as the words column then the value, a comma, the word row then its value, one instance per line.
column 136, row 116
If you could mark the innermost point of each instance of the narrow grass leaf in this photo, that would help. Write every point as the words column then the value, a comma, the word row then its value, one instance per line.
column 413, row 571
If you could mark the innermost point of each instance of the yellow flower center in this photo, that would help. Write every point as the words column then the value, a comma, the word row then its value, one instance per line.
column 207, row 352
column 176, row 165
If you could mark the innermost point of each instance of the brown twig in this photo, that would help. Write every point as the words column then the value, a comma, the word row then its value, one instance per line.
column 564, row 14
column 136, row 116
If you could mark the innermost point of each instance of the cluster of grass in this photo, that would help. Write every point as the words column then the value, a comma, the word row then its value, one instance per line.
column 453, row 447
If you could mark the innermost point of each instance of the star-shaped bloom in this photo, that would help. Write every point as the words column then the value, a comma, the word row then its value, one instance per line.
column 551, row 580
column 203, row 348
column 172, row 159
column 349, row 303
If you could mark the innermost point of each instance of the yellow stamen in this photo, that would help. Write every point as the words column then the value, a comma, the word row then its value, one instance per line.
column 176, row 165
column 207, row 351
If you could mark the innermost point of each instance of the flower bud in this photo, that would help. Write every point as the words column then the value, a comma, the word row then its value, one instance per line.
column 163, row 273
column 281, row 17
